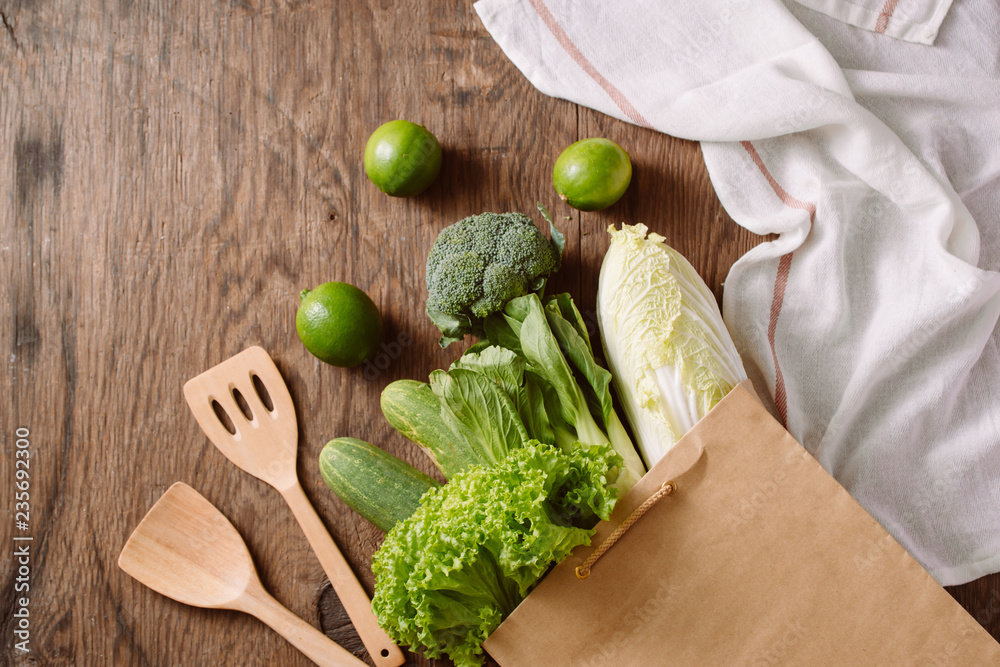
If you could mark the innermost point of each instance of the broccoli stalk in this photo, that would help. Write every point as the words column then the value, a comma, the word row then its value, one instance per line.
column 480, row 263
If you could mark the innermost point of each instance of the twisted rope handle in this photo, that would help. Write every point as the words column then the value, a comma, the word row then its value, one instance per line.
column 583, row 570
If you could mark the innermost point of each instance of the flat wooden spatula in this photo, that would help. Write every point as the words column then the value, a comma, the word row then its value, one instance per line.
column 244, row 408
column 187, row 550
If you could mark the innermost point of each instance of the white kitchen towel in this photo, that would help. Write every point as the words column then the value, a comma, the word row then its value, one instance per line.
column 872, row 319
column 912, row 20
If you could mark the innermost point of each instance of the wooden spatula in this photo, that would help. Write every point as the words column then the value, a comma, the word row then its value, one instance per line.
column 244, row 408
column 187, row 550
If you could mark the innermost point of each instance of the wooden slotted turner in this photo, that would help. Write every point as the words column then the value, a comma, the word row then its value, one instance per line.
column 262, row 439
column 187, row 550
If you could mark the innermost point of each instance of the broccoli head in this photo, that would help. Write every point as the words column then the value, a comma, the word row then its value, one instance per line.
column 480, row 263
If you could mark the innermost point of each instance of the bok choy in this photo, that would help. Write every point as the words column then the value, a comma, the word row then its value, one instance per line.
column 534, row 378
column 664, row 339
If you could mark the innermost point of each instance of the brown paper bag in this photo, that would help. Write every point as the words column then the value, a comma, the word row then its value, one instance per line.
column 760, row 557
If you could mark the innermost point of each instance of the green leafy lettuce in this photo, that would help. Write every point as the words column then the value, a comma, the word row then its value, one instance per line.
column 446, row 577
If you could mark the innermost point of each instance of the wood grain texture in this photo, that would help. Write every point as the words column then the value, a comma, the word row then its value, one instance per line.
column 185, row 549
column 174, row 173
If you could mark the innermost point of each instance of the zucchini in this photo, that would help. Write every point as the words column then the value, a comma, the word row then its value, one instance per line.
column 373, row 482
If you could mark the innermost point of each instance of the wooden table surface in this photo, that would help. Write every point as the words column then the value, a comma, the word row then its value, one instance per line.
column 174, row 174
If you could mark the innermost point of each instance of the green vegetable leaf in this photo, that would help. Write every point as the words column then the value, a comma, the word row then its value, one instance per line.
column 531, row 407
column 446, row 577
column 481, row 411
column 558, row 238
column 504, row 331
column 567, row 404
column 541, row 350
column 506, row 368
column 578, row 352
column 453, row 326
column 535, row 377
column 478, row 347
column 563, row 305
column 499, row 364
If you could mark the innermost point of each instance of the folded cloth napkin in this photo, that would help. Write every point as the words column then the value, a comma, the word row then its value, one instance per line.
column 872, row 319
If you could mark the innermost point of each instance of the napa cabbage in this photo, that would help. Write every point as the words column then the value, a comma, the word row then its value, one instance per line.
column 669, row 352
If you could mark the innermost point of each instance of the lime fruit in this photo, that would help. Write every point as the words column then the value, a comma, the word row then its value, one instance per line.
column 339, row 324
column 592, row 174
column 402, row 158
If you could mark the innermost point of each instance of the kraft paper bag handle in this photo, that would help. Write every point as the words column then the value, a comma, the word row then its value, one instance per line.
column 640, row 499
column 583, row 570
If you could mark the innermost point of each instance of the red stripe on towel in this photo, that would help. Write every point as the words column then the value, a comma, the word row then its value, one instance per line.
column 787, row 199
column 780, row 279
column 567, row 43
column 884, row 15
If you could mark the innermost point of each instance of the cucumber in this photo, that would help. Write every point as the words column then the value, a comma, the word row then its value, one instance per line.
column 412, row 408
column 373, row 482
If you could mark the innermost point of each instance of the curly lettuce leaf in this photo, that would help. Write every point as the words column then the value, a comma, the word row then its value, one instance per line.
column 447, row 577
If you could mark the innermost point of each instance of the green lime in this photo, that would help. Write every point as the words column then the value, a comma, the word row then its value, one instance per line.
column 402, row 158
column 339, row 324
column 592, row 174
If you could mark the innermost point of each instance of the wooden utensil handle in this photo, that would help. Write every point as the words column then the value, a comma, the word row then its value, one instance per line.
column 314, row 644
column 352, row 595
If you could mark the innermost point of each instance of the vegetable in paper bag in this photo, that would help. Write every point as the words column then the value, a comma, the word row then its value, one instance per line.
column 447, row 576
column 664, row 339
